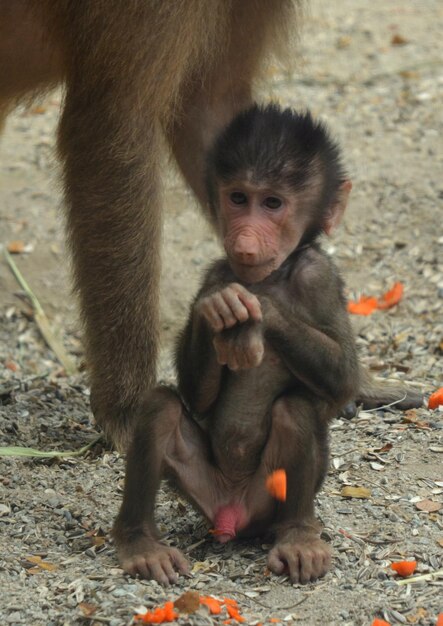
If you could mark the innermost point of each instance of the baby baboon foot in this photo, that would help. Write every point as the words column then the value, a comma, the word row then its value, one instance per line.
column 153, row 560
column 305, row 558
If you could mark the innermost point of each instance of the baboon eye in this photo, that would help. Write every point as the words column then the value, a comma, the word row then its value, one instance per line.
column 273, row 203
column 237, row 197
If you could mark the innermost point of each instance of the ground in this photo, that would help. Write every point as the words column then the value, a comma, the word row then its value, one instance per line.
column 373, row 71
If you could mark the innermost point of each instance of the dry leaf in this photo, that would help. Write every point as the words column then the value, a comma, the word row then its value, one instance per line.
column 430, row 506
column 41, row 565
column 33, row 570
column 98, row 541
column 409, row 74
column 440, row 542
column 344, row 42
column 16, row 247
column 188, row 602
column 355, row 492
column 410, row 417
column 87, row 609
column 34, row 559
column 49, row 567
column 398, row 40
column 385, row 448
column 200, row 566
column 421, row 614
column 10, row 365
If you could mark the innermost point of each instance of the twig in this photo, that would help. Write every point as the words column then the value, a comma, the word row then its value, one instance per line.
column 15, row 384
column 346, row 533
column 385, row 406
column 242, row 593
column 375, row 484
column 196, row 544
column 17, row 451
column 41, row 320
column 350, row 451
column 420, row 577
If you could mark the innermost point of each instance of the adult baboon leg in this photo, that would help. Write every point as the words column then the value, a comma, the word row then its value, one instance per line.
column 253, row 32
column 127, row 66
column 113, row 215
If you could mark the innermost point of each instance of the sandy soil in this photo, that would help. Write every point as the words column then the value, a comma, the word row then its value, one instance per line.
column 373, row 71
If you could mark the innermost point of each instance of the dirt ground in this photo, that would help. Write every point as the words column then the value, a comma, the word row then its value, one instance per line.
column 373, row 71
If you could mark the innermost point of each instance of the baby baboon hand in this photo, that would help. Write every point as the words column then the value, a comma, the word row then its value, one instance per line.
column 229, row 306
column 240, row 348
column 305, row 558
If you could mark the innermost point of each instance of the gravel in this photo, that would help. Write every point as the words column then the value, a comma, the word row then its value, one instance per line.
column 373, row 72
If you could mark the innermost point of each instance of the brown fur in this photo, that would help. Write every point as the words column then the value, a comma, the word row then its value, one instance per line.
column 265, row 361
column 132, row 71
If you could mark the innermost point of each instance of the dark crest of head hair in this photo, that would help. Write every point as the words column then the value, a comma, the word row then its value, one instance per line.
column 276, row 147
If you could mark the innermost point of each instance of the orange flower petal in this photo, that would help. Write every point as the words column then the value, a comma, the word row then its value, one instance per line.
column 213, row 605
column 170, row 614
column 439, row 620
column 380, row 622
column 404, row 568
column 364, row 306
column 436, row 399
column 276, row 484
column 368, row 304
column 233, row 612
column 391, row 297
column 159, row 615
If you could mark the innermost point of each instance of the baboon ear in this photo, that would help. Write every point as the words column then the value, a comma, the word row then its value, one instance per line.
column 335, row 212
